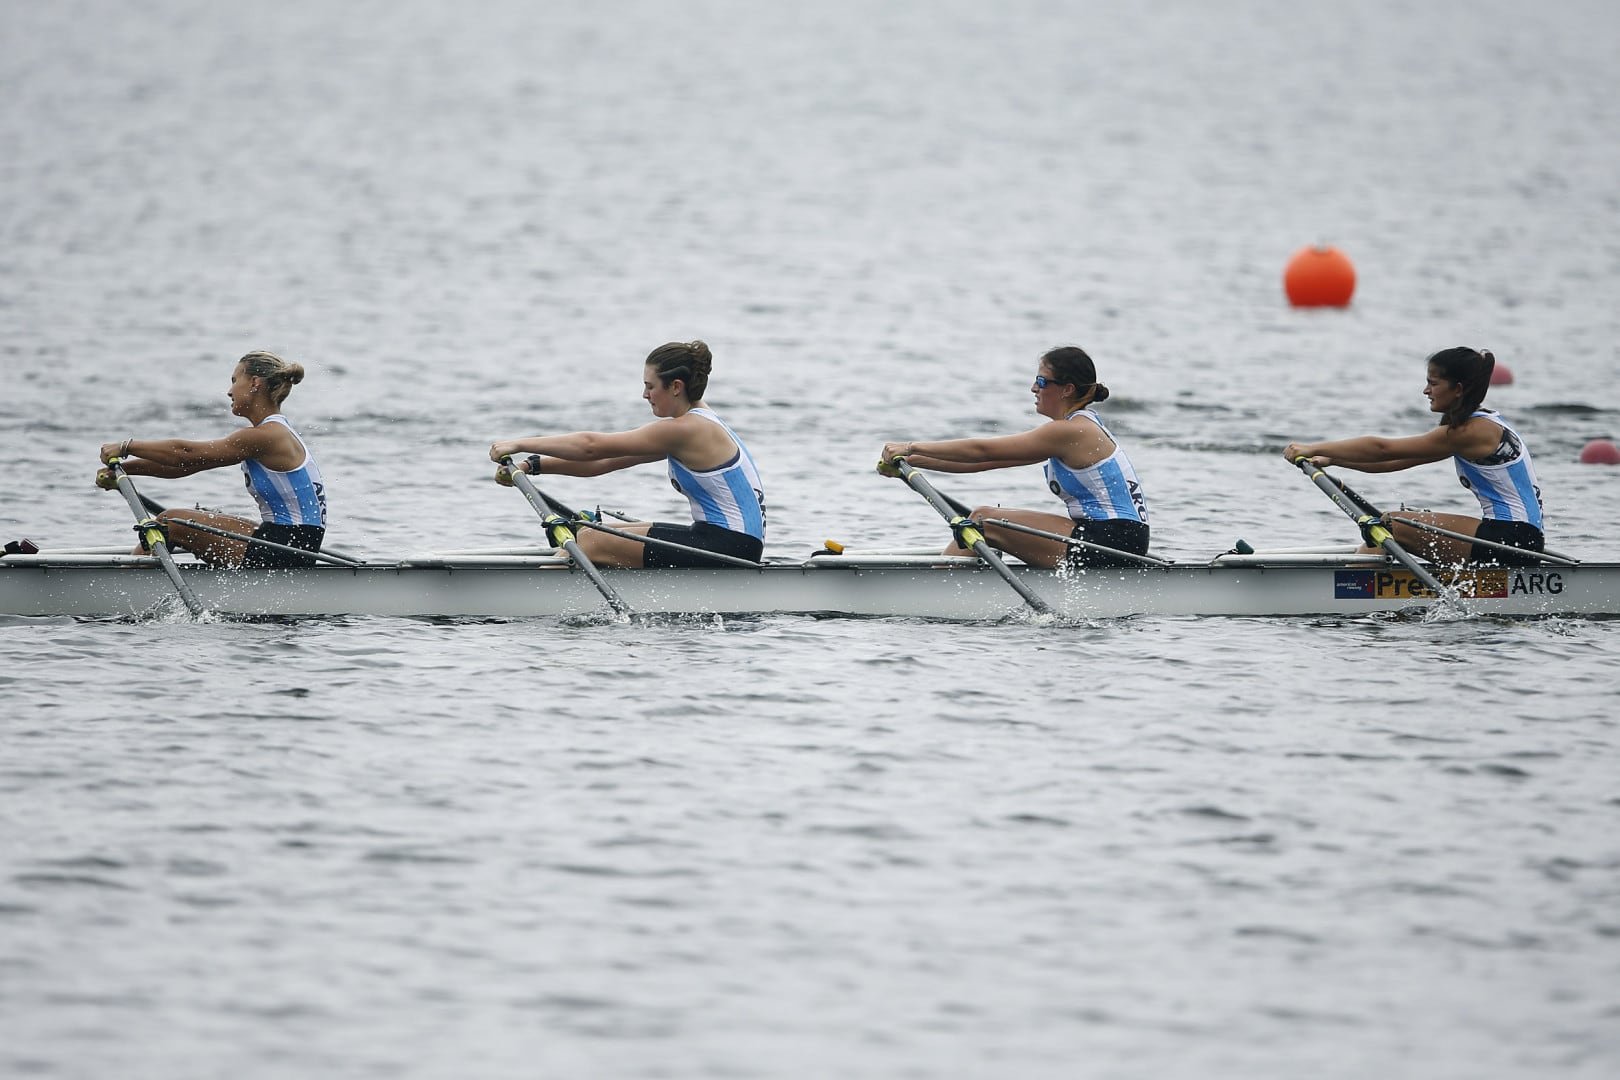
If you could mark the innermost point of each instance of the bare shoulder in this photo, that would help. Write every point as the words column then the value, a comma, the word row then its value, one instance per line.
column 1478, row 436
column 1084, row 434
column 273, row 445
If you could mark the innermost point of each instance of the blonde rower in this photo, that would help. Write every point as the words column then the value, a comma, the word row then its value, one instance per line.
column 276, row 465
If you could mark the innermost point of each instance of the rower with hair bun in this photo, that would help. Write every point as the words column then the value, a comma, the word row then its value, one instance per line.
column 708, row 464
column 1491, row 458
column 1085, row 468
column 277, row 467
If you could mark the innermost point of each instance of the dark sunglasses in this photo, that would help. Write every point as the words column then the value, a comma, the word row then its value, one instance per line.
column 1042, row 382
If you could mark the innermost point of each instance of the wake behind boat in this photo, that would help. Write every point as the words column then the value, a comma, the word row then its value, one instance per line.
column 542, row 582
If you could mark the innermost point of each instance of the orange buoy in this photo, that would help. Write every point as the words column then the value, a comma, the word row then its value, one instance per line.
column 1319, row 277
column 1600, row 452
column 1501, row 375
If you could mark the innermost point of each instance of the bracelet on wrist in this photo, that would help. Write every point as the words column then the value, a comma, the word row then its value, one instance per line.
column 533, row 461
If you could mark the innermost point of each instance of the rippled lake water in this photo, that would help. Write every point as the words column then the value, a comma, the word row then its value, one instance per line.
column 788, row 846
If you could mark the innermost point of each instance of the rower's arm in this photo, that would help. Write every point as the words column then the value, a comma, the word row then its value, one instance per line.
column 555, row 466
column 924, row 461
column 650, row 442
column 173, row 458
column 997, row 452
column 1392, row 465
column 141, row 467
column 1376, row 453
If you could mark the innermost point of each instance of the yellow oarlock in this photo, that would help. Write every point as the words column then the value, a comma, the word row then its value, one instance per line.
column 965, row 532
column 151, row 533
column 1374, row 530
column 832, row 547
column 557, row 529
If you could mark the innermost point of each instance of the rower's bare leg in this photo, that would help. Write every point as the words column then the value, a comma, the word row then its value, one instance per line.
column 1034, row 550
column 605, row 549
column 218, row 550
column 1428, row 545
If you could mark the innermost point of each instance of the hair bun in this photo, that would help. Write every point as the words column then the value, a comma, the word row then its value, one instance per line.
column 702, row 359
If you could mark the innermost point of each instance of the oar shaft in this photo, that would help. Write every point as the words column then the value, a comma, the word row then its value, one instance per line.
column 1368, row 517
column 966, row 532
column 152, row 536
column 1350, row 493
column 609, row 593
column 557, row 529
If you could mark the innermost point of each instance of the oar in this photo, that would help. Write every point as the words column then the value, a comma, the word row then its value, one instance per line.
column 967, row 534
column 561, row 535
column 153, row 536
column 1372, row 526
column 1147, row 560
column 1544, row 556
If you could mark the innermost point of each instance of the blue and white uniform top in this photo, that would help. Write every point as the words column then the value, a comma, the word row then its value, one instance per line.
column 1505, row 482
column 1107, row 490
column 729, row 496
column 288, row 498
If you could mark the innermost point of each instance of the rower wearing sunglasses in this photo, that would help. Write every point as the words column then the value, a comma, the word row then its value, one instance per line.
column 1085, row 468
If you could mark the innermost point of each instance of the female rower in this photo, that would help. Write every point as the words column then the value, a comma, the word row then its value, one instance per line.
column 1085, row 468
column 278, row 468
column 707, row 463
column 1492, row 461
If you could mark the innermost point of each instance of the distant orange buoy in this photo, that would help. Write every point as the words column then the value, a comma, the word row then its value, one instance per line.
column 1319, row 277
column 1600, row 452
column 1501, row 375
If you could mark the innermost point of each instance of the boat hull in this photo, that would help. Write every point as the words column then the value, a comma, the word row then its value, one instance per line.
column 821, row 586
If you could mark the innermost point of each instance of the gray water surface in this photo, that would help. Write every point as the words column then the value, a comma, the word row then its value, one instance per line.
column 785, row 846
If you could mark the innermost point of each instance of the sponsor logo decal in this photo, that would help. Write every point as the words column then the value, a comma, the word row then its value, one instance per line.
column 1482, row 584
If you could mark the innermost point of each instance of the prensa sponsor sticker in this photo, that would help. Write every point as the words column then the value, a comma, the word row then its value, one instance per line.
column 1470, row 584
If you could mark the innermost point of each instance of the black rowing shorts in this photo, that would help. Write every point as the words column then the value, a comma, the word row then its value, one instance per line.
column 699, row 534
column 1520, row 534
column 1121, row 533
column 308, row 537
